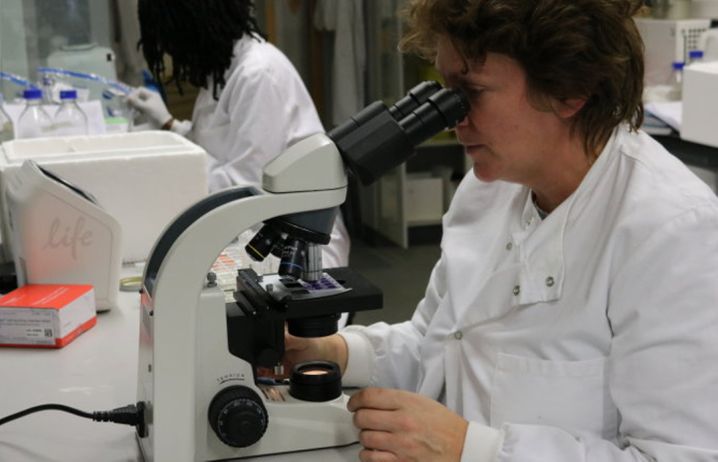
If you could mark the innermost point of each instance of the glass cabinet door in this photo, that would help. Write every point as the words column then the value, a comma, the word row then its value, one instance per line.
column 382, row 202
column 76, row 35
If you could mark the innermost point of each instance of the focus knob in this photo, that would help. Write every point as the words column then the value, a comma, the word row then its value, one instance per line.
column 238, row 417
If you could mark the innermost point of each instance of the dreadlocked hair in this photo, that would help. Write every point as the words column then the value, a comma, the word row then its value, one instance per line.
column 198, row 35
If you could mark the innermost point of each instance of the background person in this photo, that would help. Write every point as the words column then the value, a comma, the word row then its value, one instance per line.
column 572, row 314
column 252, row 104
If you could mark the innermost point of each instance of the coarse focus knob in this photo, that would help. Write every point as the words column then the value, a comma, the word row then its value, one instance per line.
column 238, row 417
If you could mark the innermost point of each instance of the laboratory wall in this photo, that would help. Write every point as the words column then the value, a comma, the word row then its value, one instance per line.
column 13, row 52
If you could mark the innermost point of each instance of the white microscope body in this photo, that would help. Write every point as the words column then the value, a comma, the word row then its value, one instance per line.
column 201, row 401
column 184, row 360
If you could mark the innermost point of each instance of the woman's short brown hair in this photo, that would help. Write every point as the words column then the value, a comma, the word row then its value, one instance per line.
column 568, row 48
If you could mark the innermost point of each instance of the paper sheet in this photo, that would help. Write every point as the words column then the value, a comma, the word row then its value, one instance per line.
column 671, row 112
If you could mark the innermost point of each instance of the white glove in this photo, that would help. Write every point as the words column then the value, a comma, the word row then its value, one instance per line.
column 150, row 103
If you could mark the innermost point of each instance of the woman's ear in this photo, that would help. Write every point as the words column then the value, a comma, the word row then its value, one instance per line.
column 568, row 107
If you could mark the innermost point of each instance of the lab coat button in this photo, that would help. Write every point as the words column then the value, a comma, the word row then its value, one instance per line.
column 509, row 246
column 517, row 289
column 549, row 281
column 458, row 335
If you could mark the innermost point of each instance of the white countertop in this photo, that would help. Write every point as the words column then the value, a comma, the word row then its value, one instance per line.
column 96, row 372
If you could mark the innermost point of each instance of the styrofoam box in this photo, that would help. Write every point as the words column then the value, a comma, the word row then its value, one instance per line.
column 143, row 179
column 424, row 199
column 700, row 103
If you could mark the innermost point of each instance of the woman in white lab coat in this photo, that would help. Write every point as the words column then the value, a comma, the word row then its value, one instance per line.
column 573, row 313
column 252, row 103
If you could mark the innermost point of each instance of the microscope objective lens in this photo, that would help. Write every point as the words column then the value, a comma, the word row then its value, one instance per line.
column 294, row 257
column 263, row 243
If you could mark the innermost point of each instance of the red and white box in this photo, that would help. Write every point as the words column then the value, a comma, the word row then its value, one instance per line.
column 46, row 315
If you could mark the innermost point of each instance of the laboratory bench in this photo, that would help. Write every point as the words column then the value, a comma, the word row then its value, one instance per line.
column 96, row 372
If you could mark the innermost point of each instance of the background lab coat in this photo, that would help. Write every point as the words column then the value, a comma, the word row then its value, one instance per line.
column 589, row 336
column 263, row 109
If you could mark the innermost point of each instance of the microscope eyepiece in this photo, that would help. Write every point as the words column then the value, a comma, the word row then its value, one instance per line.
column 414, row 98
column 443, row 109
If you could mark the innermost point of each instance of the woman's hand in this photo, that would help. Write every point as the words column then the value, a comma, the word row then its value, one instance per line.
column 398, row 426
column 298, row 349
column 151, row 104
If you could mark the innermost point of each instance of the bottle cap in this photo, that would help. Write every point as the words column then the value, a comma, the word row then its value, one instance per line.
column 678, row 65
column 32, row 93
column 68, row 94
column 695, row 54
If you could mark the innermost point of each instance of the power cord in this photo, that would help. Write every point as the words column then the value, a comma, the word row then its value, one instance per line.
column 132, row 414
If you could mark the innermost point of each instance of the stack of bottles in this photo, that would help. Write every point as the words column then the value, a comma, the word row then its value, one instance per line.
column 676, row 83
column 35, row 121
column 90, row 87
column 39, row 115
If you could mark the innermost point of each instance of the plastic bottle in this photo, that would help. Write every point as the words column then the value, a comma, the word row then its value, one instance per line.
column 69, row 118
column 676, row 83
column 695, row 56
column 33, row 122
column 46, row 83
column 117, row 114
column 6, row 126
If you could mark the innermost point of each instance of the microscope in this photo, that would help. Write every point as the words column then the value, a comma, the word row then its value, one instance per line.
column 201, row 355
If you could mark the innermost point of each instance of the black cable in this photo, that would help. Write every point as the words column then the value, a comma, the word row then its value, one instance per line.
column 45, row 407
column 132, row 414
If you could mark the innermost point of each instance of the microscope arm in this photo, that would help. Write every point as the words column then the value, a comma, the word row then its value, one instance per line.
column 312, row 164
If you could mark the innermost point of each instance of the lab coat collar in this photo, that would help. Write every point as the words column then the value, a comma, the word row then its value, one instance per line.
column 540, row 243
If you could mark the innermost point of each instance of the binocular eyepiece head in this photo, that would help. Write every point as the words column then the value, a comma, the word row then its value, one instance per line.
column 379, row 138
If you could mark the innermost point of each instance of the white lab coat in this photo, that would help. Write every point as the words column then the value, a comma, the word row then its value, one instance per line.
column 589, row 336
column 263, row 109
